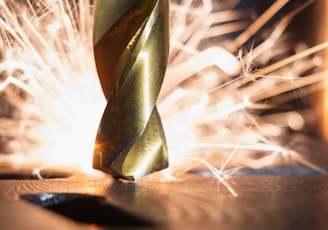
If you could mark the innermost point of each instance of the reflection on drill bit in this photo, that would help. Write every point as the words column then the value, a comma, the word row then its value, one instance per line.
column 131, row 50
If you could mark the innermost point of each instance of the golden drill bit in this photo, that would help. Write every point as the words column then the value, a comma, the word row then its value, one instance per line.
column 131, row 51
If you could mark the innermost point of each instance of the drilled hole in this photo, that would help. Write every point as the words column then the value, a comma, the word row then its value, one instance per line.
column 86, row 209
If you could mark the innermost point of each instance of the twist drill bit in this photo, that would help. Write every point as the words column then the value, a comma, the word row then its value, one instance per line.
column 131, row 51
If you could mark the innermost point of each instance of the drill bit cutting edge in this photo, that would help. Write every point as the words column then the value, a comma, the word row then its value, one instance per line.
column 131, row 51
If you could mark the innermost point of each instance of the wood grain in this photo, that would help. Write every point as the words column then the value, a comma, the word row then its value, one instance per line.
column 193, row 202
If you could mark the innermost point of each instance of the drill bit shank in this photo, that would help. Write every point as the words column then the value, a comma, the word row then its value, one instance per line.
column 131, row 50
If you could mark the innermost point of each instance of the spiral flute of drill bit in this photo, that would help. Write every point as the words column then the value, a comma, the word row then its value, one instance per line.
column 131, row 50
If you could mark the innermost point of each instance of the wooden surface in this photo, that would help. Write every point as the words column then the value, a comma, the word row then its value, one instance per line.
column 192, row 202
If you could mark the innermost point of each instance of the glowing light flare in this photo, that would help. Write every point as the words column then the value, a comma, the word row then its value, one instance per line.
column 70, row 141
column 182, row 121
column 17, row 159
column 53, row 27
column 228, row 107
column 64, row 99
column 295, row 121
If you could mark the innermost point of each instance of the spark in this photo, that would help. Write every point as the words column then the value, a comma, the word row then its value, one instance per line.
column 219, row 175
column 37, row 173
column 49, row 66
column 212, row 97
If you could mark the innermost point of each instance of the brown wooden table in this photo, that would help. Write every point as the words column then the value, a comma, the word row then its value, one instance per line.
column 191, row 202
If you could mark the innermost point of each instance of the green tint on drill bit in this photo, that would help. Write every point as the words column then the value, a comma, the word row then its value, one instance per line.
column 131, row 51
